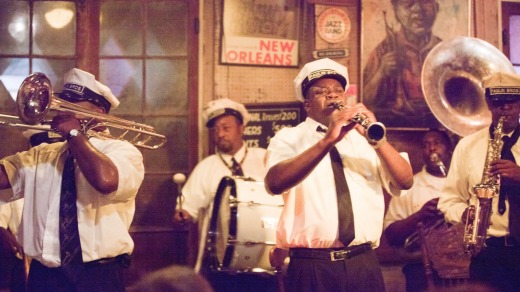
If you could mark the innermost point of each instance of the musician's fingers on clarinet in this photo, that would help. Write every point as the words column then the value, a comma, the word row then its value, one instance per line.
column 361, row 108
column 370, row 115
column 353, row 110
column 357, row 106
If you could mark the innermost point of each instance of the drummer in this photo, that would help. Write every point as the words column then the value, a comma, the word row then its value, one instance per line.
column 226, row 121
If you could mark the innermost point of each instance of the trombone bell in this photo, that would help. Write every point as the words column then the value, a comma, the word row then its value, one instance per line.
column 34, row 98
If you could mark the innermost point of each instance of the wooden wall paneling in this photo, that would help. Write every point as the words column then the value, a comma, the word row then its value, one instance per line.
column 506, row 11
column 158, row 241
column 209, row 41
column 87, row 40
column 486, row 21
column 193, row 77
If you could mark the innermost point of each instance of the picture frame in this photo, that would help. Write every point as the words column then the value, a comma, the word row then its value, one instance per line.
column 260, row 33
column 391, row 61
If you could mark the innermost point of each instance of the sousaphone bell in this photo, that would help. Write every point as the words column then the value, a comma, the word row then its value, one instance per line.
column 451, row 82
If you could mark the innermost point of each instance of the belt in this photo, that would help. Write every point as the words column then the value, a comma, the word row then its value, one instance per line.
column 124, row 260
column 504, row 241
column 330, row 254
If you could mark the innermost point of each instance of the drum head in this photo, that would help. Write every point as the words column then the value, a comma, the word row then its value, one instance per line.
column 242, row 229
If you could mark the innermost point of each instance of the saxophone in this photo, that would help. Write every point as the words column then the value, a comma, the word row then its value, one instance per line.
column 477, row 218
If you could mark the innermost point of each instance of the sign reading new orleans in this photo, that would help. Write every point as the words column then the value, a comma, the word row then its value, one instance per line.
column 263, row 33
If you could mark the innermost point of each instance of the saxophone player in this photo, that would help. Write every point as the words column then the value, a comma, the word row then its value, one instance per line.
column 498, row 262
column 419, row 205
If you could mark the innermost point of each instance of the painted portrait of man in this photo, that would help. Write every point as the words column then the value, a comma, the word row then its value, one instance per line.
column 397, row 37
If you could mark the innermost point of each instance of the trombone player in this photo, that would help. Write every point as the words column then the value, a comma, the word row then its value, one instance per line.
column 79, row 197
column 498, row 262
column 419, row 205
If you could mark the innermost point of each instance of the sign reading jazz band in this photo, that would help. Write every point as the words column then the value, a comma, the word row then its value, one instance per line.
column 267, row 119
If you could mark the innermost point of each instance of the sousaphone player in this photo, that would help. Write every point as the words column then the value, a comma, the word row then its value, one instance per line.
column 454, row 76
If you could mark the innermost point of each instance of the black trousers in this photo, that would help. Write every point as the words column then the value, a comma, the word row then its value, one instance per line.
column 359, row 273
column 12, row 272
column 101, row 276
column 497, row 267
column 415, row 277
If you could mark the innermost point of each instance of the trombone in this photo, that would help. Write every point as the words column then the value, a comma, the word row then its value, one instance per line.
column 35, row 98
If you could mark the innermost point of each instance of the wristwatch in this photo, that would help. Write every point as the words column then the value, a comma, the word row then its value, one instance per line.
column 72, row 133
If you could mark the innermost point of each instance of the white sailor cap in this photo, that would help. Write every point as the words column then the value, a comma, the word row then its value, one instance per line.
column 316, row 70
column 80, row 85
column 224, row 106
column 502, row 86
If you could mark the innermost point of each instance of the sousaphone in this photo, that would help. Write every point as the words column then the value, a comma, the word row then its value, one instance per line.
column 451, row 82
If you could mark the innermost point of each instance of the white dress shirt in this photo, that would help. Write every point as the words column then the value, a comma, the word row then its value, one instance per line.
column 11, row 214
column 425, row 188
column 310, row 215
column 201, row 186
column 103, row 220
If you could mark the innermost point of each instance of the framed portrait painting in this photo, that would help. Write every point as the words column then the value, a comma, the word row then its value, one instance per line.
column 396, row 37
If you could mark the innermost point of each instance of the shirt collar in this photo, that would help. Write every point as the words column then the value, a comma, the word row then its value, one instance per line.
column 239, row 156
column 314, row 124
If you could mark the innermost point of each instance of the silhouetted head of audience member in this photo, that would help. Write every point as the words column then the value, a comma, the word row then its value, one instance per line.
column 172, row 279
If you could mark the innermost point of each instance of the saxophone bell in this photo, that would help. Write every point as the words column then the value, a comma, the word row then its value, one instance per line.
column 374, row 132
column 477, row 222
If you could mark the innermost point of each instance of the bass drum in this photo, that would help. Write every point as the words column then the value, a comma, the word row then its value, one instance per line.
column 242, row 228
